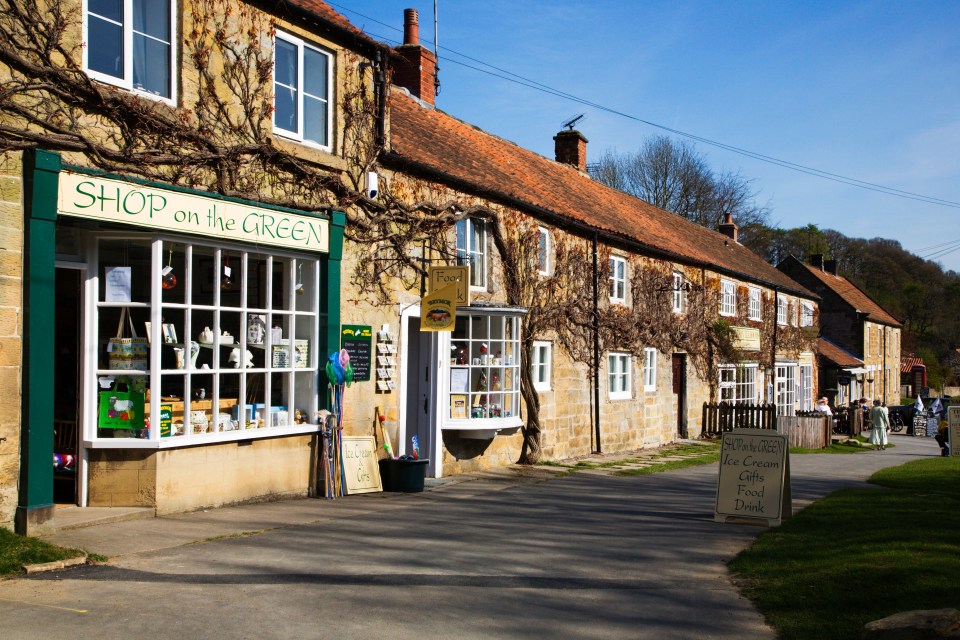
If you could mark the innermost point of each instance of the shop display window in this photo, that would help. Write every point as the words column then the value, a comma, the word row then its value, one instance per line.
column 484, row 372
column 198, row 343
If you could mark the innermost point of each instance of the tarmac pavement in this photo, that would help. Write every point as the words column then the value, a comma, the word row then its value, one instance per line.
column 517, row 553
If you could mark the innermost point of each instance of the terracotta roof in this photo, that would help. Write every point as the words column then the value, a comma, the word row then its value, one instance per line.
column 907, row 363
column 836, row 355
column 326, row 13
column 429, row 140
column 852, row 295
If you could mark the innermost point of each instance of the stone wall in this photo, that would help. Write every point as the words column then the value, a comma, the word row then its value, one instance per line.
column 11, row 320
column 178, row 480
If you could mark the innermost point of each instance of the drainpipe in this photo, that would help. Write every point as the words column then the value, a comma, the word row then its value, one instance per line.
column 883, row 365
column 596, row 345
column 773, row 346
column 380, row 82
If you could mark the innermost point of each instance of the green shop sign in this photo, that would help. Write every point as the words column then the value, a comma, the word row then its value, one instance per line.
column 109, row 200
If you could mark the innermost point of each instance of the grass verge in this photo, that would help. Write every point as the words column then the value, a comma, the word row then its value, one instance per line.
column 860, row 554
column 16, row 551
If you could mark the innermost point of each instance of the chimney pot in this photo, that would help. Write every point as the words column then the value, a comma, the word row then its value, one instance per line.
column 411, row 26
column 416, row 67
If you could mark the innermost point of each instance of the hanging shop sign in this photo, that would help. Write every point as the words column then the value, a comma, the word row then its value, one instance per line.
column 438, row 309
column 441, row 277
column 358, row 341
column 110, row 200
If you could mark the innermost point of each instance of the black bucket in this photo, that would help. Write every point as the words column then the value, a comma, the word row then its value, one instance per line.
column 403, row 475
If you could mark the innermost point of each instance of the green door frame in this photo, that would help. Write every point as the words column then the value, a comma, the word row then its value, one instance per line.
column 41, row 171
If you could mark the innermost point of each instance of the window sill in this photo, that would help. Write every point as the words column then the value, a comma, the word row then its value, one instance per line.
column 198, row 439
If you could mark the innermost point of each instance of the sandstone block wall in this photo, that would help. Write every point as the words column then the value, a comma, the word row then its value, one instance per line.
column 11, row 331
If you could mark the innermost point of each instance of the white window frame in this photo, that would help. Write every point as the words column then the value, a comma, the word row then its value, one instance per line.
column 738, row 384
column 785, row 392
column 728, row 298
column 866, row 348
column 806, row 387
column 806, row 314
column 753, row 306
column 298, row 134
column 544, row 251
column 649, row 369
column 542, row 365
column 618, row 280
column 679, row 293
column 126, row 81
column 298, row 315
column 483, row 372
column 782, row 310
column 619, row 369
column 468, row 254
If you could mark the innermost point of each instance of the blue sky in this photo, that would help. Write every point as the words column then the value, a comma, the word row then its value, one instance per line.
column 865, row 90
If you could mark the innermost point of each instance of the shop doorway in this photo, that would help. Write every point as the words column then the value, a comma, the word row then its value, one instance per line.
column 419, row 389
column 68, row 332
column 680, row 391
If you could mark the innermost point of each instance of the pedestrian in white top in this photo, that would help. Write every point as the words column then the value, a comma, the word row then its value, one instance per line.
column 823, row 406
column 880, row 419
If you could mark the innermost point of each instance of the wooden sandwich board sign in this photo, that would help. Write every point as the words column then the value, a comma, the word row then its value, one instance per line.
column 361, row 470
column 754, row 477
column 953, row 430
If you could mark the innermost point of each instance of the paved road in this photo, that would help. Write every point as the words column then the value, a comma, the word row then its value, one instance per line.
column 585, row 556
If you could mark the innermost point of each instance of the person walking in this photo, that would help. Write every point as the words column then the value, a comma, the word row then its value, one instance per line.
column 880, row 421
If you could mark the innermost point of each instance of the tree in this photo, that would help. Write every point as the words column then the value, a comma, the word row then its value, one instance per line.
column 673, row 176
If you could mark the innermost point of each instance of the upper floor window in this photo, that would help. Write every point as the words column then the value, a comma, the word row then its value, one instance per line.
column 753, row 308
column 543, row 252
column 128, row 43
column 472, row 249
column 781, row 310
column 806, row 314
column 728, row 298
column 618, row 279
column 542, row 357
column 867, row 331
column 649, row 369
column 302, row 77
column 618, row 372
column 679, row 293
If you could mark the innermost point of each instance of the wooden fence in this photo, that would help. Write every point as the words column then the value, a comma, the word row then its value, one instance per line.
column 726, row 416
column 811, row 430
column 807, row 429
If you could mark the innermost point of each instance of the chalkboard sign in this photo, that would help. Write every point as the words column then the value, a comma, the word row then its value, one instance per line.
column 357, row 339
column 754, row 477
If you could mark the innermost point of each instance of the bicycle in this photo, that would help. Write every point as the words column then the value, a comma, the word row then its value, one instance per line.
column 896, row 422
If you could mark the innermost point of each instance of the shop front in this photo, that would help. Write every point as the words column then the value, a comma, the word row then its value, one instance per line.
column 189, row 335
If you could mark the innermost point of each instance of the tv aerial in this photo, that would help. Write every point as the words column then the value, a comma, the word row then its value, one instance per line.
column 569, row 124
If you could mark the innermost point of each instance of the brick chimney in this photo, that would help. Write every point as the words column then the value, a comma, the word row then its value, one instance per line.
column 729, row 228
column 816, row 260
column 830, row 266
column 416, row 68
column 570, row 147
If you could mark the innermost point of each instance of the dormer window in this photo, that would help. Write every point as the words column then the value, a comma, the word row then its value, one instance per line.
column 128, row 43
